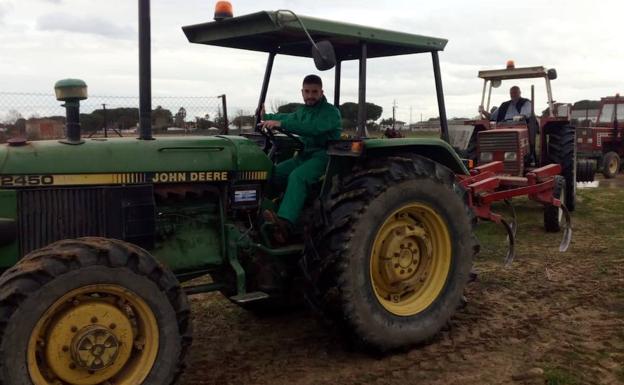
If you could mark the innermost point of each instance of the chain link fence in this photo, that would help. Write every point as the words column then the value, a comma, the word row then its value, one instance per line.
column 41, row 116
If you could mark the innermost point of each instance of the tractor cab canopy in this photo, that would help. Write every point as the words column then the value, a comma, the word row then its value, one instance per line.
column 280, row 32
column 516, row 73
column 283, row 32
column 495, row 77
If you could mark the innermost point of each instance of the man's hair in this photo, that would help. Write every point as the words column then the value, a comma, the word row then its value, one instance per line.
column 313, row 79
column 516, row 87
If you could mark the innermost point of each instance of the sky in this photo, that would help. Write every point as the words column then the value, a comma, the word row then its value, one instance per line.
column 42, row 41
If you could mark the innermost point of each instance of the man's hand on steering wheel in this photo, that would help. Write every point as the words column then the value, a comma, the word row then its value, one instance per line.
column 271, row 124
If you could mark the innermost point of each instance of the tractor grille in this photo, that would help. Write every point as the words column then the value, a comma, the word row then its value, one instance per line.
column 49, row 215
column 494, row 141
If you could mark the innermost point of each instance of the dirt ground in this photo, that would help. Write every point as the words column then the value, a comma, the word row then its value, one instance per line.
column 560, row 315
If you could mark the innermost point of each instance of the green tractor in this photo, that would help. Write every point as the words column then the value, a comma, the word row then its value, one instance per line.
column 99, row 236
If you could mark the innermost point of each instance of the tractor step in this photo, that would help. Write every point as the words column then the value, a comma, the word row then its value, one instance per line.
column 249, row 297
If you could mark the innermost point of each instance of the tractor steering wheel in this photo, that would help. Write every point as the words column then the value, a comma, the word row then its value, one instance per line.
column 272, row 141
column 300, row 144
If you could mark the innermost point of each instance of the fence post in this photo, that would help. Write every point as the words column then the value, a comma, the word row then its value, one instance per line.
column 226, row 124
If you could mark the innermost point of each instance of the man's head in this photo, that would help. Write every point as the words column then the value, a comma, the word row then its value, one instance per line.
column 312, row 90
column 514, row 93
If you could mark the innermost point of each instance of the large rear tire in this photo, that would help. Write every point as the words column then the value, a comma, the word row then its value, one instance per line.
column 90, row 311
column 392, row 263
column 562, row 150
column 610, row 165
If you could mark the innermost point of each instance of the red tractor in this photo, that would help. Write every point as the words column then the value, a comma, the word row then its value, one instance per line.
column 603, row 144
column 515, row 142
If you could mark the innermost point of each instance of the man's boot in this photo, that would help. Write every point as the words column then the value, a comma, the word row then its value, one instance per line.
column 281, row 227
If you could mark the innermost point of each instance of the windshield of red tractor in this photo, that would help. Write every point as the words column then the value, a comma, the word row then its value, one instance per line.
column 606, row 114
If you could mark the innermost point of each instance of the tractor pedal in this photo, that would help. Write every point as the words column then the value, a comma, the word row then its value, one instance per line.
column 249, row 297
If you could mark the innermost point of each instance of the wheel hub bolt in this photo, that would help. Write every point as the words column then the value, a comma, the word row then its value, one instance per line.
column 94, row 320
column 74, row 329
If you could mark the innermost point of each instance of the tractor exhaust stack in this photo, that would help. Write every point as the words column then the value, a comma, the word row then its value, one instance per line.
column 145, row 72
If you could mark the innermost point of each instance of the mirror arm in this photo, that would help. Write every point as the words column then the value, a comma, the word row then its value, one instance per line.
column 300, row 23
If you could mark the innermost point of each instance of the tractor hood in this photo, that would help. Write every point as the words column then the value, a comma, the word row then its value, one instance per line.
column 129, row 160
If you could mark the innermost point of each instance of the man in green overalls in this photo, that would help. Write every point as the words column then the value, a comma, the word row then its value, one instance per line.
column 315, row 123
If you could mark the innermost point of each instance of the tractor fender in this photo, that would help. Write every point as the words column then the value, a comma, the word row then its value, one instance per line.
column 435, row 149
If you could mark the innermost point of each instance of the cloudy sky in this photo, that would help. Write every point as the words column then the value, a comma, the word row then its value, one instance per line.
column 42, row 41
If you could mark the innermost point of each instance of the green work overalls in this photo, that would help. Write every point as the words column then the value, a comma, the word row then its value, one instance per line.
column 315, row 125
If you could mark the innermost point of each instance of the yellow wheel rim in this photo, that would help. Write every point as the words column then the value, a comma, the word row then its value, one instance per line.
column 613, row 166
column 410, row 260
column 96, row 334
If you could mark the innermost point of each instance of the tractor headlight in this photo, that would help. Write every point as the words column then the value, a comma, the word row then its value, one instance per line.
column 487, row 156
column 511, row 156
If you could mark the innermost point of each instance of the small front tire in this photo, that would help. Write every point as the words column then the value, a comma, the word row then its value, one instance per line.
column 90, row 311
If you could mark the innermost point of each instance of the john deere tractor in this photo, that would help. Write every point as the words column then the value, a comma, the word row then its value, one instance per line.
column 98, row 236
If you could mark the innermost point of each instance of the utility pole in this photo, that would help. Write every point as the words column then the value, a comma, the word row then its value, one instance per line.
column 410, row 123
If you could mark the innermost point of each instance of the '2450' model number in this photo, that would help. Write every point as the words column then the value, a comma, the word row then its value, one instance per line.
column 26, row 180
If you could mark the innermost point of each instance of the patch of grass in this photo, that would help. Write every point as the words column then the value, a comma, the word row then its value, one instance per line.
column 498, row 280
column 597, row 220
column 574, row 356
column 602, row 270
column 558, row 376
column 619, row 374
column 603, row 354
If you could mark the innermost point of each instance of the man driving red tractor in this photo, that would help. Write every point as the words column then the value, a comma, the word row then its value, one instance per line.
column 517, row 106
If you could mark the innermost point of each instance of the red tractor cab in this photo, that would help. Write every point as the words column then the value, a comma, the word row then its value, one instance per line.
column 603, row 144
column 514, row 142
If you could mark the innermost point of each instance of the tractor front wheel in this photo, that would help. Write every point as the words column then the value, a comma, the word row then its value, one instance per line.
column 611, row 165
column 394, row 260
column 91, row 311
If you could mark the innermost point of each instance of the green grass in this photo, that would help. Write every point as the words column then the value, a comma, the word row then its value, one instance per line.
column 620, row 374
column 558, row 376
column 597, row 221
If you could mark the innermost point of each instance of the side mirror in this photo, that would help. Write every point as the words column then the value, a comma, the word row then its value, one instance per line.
column 496, row 83
column 324, row 55
column 552, row 74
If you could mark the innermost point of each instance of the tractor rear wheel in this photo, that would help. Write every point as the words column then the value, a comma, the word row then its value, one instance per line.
column 391, row 266
column 553, row 216
column 611, row 165
column 91, row 311
column 562, row 150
